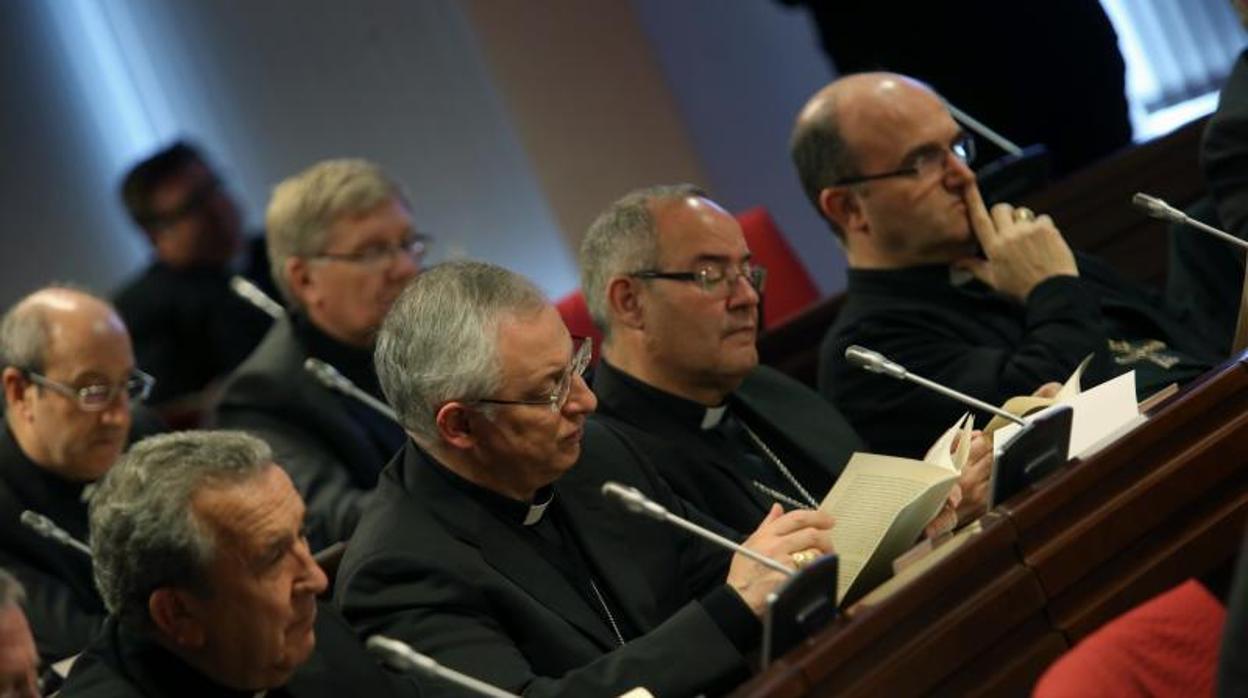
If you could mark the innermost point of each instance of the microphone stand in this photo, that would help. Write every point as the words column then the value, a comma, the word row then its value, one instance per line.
column 45, row 527
column 331, row 378
column 401, row 656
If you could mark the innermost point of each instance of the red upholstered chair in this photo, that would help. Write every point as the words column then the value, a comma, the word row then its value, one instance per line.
column 789, row 287
column 576, row 316
column 1167, row 646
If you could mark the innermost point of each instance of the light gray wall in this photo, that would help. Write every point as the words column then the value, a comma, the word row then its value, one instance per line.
column 270, row 86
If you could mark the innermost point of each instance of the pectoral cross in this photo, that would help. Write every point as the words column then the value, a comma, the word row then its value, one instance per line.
column 1150, row 350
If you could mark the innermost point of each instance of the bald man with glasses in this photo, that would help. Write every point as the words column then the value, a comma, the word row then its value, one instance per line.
column 668, row 277
column 70, row 384
column 992, row 302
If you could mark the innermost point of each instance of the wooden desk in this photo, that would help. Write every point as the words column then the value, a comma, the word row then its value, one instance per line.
column 1166, row 502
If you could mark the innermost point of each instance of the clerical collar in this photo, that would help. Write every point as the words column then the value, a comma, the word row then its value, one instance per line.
column 691, row 414
column 506, row 508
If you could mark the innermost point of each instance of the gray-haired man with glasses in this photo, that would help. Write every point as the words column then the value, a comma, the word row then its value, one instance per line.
column 992, row 302
column 489, row 545
column 342, row 244
column 669, row 278
column 70, row 384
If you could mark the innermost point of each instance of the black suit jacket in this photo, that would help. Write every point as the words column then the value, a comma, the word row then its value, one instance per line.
column 189, row 328
column 806, row 432
column 124, row 664
column 63, row 607
column 325, row 440
column 432, row 566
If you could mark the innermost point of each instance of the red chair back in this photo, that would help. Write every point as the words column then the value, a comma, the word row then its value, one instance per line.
column 789, row 287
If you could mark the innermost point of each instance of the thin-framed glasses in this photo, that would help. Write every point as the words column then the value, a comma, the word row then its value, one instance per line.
column 715, row 279
column 925, row 163
column 194, row 203
column 99, row 397
column 582, row 351
column 414, row 246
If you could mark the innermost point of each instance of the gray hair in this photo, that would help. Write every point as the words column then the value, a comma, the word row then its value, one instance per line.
column 303, row 208
column 11, row 591
column 440, row 340
column 822, row 156
column 623, row 239
column 25, row 329
column 144, row 534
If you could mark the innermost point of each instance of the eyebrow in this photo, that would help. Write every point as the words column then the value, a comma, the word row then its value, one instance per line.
column 720, row 258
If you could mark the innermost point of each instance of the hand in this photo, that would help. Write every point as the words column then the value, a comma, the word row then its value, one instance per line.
column 968, row 499
column 778, row 537
column 1021, row 253
column 18, row 658
column 1048, row 390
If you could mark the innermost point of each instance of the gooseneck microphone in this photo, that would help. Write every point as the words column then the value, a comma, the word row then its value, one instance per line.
column 876, row 362
column 634, row 501
column 252, row 294
column 1156, row 208
column 401, row 656
column 45, row 527
column 332, row 379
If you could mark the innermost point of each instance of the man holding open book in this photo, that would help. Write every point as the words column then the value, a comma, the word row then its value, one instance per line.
column 990, row 302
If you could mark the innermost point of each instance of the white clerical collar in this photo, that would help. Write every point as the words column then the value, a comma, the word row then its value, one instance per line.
column 538, row 510
column 713, row 416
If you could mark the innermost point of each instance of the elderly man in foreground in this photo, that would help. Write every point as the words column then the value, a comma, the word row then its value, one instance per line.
column 490, row 546
column 201, row 559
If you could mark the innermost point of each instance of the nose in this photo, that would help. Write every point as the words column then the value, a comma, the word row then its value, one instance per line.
column 312, row 579
column 581, row 400
column 738, row 298
column 406, row 267
column 957, row 172
column 118, row 411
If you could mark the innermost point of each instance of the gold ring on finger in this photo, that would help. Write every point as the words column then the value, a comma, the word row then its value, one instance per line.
column 805, row 557
column 1023, row 214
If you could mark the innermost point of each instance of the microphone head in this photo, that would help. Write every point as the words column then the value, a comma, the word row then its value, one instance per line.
column 873, row 361
column 633, row 500
column 38, row 522
column 398, row 655
column 1155, row 207
column 326, row 374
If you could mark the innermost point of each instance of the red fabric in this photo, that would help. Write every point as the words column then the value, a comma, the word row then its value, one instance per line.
column 1167, row 646
column 576, row 316
column 789, row 287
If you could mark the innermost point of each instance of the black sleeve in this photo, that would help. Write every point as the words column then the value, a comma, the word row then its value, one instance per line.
column 1233, row 662
column 61, row 624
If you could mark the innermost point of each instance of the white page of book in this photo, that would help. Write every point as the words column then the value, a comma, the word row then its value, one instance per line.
column 1098, row 412
column 870, row 495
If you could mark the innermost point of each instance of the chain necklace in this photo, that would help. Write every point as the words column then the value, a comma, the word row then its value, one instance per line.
column 610, row 618
column 810, row 501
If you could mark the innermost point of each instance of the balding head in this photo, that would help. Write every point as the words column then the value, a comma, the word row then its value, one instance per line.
column 836, row 129
column 56, row 342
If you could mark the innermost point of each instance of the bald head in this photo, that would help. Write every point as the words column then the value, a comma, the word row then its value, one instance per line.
column 843, row 123
column 52, row 317
column 57, row 342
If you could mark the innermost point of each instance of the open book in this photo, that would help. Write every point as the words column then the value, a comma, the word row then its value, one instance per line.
column 882, row 503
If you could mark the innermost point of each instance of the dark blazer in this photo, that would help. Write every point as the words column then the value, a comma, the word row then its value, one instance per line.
column 123, row 664
column 988, row 346
column 63, row 607
column 323, row 439
column 798, row 424
column 189, row 328
column 1233, row 660
column 432, row 566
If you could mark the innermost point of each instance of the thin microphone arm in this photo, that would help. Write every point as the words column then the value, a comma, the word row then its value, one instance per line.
column 332, row 379
column 1157, row 208
column 401, row 656
column 252, row 294
column 633, row 500
column 876, row 362
column 45, row 527
column 982, row 129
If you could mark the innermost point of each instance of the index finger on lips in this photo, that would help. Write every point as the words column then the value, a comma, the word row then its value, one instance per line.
column 977, row 213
